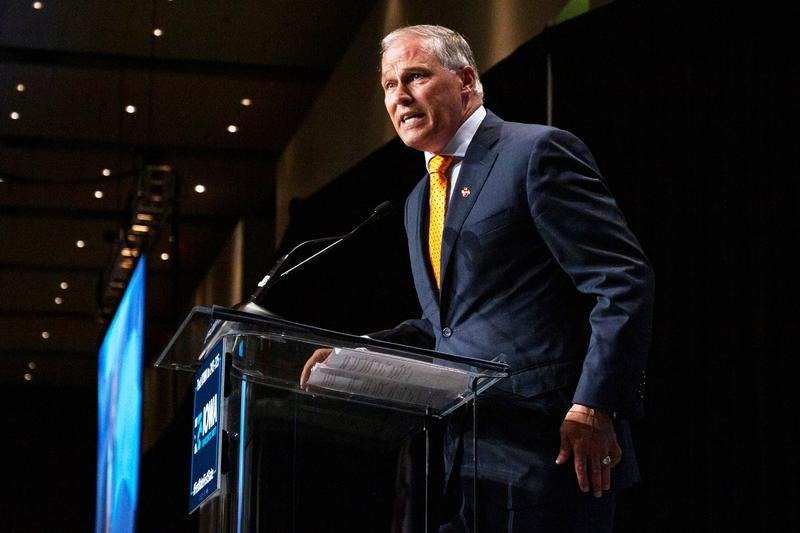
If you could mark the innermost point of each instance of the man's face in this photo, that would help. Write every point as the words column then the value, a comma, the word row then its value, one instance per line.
column 426, row 102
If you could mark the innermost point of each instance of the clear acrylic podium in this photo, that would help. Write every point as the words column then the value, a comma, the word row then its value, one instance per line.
column 313, row 459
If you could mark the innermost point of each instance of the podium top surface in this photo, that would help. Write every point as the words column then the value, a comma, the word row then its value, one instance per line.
column 271, row 351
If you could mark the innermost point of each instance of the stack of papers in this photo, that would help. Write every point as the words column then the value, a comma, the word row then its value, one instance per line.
column 391, row 378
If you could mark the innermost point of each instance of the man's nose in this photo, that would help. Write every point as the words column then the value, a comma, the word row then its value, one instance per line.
column 402, row 95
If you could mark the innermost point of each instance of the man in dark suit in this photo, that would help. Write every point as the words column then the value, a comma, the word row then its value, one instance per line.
column 524, row 257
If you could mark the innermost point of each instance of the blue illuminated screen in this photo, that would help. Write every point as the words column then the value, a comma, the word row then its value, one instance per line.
column 119, row 411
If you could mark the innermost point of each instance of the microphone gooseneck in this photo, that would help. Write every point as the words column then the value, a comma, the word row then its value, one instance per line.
column 277, row 272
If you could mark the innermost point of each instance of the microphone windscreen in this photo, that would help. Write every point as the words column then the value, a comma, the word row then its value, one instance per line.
column 382, row 210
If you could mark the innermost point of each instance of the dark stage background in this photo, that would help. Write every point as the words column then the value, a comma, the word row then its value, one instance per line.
column 691, row 113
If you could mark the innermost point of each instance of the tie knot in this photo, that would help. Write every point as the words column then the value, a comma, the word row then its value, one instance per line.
column 440, row 163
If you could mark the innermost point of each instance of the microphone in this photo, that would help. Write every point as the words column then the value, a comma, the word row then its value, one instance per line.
column 277, row 272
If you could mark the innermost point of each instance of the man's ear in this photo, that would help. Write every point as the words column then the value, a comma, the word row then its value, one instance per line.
column 468, row 77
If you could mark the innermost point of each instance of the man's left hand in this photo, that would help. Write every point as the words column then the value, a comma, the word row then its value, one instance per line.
column 588, row 436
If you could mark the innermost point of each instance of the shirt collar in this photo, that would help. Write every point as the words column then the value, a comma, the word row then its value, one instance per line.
column 460, row 142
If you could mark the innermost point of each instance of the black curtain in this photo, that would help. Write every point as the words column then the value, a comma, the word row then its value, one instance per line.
column 691, row 112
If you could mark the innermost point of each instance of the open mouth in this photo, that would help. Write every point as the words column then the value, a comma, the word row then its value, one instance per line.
column 411, row 118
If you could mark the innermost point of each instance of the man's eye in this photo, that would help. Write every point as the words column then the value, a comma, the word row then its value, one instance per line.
column 388, row 85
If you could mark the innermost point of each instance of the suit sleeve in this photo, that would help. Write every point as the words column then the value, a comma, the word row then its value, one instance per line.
column 588, row 236
column 415, row 332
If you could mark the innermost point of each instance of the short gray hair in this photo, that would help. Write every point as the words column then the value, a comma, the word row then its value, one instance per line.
column 450, row 48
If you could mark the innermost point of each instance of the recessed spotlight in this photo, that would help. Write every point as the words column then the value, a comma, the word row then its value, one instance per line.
column 38, row 5
column 45, row 335
column 28, row 376
column 165, row 256
column 31, row 365
column 58, row 300
column 80, row 244
column 106, row 172
column 98, row 194
column 158, row 32
column 200, row 188
column 14, row 115
column 247, row 102
column 20, row 88
column 232, row 128
column 64, row 285
column 130, row 109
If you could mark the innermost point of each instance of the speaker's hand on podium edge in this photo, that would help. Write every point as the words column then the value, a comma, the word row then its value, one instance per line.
column 319, row 356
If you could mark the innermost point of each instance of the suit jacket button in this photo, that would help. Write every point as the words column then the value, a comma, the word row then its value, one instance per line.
column 446, row 332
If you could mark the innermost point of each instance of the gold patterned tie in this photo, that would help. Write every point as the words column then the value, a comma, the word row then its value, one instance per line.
column 437, row 168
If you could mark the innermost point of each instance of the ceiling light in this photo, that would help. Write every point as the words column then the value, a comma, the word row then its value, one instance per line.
column 145, row 217
column 247, row 102
column 200, row 188
column 64, row 285
column 31, row 365
column 165, row 256
column 58, row 300
column 130, row 109
column 14, row 115
column 20, row 88
column 140, row 228
column 232, row 128
column 157, row 32
column 38, row 5
column 106, row 172
column 28, row 376
column 98, row 194
column 45, row 335
column 80, row 244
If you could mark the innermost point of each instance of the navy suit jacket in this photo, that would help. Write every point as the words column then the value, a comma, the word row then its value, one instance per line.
column 539, row 270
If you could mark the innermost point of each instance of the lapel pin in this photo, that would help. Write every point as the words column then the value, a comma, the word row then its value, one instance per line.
column 465, row 192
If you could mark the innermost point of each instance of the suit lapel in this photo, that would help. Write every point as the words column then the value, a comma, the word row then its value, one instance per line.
column 423, row 278
column 475, row 168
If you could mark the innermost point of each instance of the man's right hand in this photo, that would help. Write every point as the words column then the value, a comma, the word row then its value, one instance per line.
column 318, row 356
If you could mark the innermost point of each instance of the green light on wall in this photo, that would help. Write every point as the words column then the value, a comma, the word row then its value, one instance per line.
column 573, row 9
